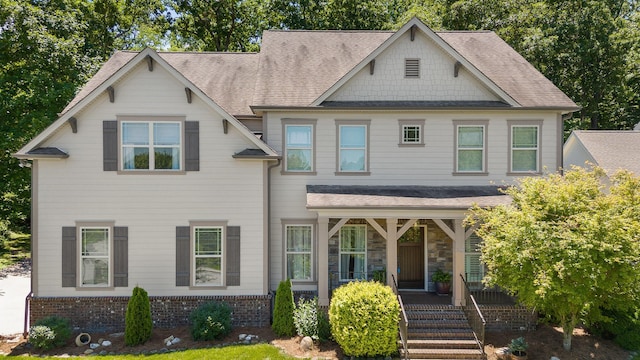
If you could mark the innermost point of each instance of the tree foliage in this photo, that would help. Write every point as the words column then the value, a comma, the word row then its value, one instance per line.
column 567, row 245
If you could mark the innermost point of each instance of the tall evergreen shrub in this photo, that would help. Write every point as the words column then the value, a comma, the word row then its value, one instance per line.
column 283, row 313
column 138, row 323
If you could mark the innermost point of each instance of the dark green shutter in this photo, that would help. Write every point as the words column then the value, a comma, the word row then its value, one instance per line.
column 69, row 256
column 183, row 238
column 110, row 145
column 233, row 255
column 121, row 256
column 192, row 145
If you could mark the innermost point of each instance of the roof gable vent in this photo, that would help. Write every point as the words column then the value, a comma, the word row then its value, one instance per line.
column 412, row 68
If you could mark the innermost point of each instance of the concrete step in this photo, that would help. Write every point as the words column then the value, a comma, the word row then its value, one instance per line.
column 457, row 334
column 440, row 344
column 439, row 324
column 467, row 354
column 435, row 315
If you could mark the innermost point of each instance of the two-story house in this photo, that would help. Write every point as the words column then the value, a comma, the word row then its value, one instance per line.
column 326, row 157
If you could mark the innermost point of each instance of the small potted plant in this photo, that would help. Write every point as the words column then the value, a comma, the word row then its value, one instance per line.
column 518, row 348
column 443, row 281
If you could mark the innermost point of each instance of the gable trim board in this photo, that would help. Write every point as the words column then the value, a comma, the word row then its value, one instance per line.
column 121, row 72
column 411, row 26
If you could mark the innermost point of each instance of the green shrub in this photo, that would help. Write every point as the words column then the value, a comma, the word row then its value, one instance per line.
column 210, row 321
column 283, row 312
column 305, row 318
column 138, row 323
column 621, row 326
column 364, row 319
column 50, row 332
column 324, row 328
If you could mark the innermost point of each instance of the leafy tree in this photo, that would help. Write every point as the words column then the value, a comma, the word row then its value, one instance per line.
column 567, row 245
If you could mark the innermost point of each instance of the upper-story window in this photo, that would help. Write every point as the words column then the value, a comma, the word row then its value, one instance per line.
column 299, row 147
column 470, row 147
column 525, row 147
column 148, row 145
column 353, row 139
column 208, row 255
column 95, row 256
column 411, row 132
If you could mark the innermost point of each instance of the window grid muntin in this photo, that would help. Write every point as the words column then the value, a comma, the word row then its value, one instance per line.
column 304, row 253
column 211, row 257
column 358, row 230
column 464, row 148
column 535, row 148
column 103, row 257
column 411, row 134
column 347, row 148
column 150, row 146
column 300, row 147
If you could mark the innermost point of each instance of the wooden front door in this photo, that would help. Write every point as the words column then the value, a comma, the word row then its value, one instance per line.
column 411, row 259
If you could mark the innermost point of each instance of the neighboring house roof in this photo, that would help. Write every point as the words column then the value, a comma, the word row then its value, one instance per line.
column 611, row 150
column 45, row 153
column 390, row 197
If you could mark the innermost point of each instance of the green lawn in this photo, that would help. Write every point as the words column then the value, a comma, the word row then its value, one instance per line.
column 240, row 352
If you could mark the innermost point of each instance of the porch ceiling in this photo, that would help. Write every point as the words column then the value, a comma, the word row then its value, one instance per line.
column 326, row 197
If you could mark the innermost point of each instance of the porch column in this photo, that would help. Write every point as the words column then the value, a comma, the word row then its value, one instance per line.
column 458, row 262
column 392, row 251
column 323, row 261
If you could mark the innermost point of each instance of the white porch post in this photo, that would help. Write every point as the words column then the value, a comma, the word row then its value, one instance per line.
column 458, row 261
column 392, row 251
column 323, row 261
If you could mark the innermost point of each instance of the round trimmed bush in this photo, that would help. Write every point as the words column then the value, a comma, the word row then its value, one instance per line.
column 211, row 321
column 364, row 319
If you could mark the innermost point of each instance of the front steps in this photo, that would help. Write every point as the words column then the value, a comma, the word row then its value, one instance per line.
column 439, row 332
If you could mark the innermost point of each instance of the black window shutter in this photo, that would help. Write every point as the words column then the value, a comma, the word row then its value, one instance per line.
column 233, row 255
column 110, row 145
column 69, row 256
column 121, row 256
column 182, row 255
column 192, row 145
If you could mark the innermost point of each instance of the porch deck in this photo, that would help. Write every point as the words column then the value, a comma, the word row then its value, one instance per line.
column 421, row 297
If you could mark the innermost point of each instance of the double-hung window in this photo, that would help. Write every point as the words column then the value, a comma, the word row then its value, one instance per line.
column 353, row 252
column 525, row 148
column 474, row 269
column 148, row 145
column 470, row 147
column 95, row 256
column 353, row 139
column 299, row 252
column 208, row 257
column 298, row 147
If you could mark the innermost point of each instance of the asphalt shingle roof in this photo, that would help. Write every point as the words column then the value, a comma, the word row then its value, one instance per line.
column 612, row 150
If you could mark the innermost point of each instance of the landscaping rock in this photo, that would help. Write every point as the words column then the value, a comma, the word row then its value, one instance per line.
column 306, row 343
column 555, row 358
column 105, row 343
column 88, row 352
column 94, row 346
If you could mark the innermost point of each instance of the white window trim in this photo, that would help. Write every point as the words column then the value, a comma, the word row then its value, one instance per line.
column 528, row 123
column 194, row 256
column 150, row 120
column 299, row 122
column 485, row 129
column 403, row 124
column 311, row 251
column 361, row 123
column 340, row 252
column 109, row 257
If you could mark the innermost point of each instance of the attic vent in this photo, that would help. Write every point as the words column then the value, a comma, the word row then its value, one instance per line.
column 412, row 68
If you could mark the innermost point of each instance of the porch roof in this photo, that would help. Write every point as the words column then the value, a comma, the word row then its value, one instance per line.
column 403, row 197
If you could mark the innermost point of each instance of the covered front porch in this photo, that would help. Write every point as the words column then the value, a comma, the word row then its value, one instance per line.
column 401, row 233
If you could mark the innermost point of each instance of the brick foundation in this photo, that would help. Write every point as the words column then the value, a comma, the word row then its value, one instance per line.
column 509, row 317
column 105, row 314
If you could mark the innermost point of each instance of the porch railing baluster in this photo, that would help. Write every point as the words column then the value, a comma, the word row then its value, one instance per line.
column 404, row 321
column 474, row 315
